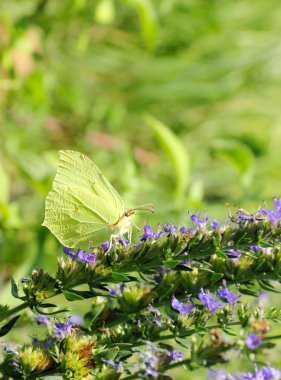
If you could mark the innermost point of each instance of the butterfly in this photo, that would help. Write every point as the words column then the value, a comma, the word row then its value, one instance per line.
column 83, row 206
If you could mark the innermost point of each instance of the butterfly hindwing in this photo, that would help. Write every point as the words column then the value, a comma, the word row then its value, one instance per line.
column 82, row 204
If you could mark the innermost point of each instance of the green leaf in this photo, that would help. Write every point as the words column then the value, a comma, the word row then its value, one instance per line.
column 52, row 312
column 239, row 155
column 71, row 296
column 221, row 254
column 267, row 286
column 228, row 332
column 14, row 289
column 200, row 329
column 119, row 277
column 8, row 326
column 248, row 292
column 148, row 21
column 124, row 354
column 215, row 277
column 172, row 263
column 176, row 153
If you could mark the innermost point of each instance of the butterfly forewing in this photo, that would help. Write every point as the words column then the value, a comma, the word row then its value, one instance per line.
column 82, row 204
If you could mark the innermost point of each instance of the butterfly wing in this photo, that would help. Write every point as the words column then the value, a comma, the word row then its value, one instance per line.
column 82, row 204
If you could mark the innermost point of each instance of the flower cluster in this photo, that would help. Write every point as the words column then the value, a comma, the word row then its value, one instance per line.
column 263, row 373
column 188, row 287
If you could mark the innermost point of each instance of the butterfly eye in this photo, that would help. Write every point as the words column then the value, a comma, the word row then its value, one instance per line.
column 129, row 213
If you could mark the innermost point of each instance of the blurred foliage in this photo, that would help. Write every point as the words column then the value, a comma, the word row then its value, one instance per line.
column 102, row 76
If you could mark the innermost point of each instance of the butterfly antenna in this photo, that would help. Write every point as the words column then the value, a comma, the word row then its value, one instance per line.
column 148, row 207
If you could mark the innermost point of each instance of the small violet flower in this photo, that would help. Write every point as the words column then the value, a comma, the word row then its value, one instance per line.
column 208, row 301
column 63, row 329
column 219, row 375
column 86, row 257
column 175, row 355
column 200, row 223
column 273, row 216
column 9, row 349
column 114, row 292
column 154, row 311
column 158, row 277
column 148, row 233
column 264, row 373
column 118, row 365
column 81, row 255
column 46, row 344
column 42, row 320
column 184, row 230
column 68, row 252
column 231, row 298
column 149, row 363
column 233, row 253
column 252, row 341
column 259, row 248
column 181, row 307
column 215, row 225
column 104, row 246
column 77, row 320
column 171, row 229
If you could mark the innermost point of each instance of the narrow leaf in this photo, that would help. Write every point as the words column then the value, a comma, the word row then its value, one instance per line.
column 175, row 151
column 8, row 326
column 216, row 277
column 119, row 277
column 71, row 296
column 14, row 288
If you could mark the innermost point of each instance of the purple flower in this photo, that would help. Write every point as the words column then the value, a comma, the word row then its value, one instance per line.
column 118, row 365
column 104, row 246
column 176, row 355
column 154, row 311
column 70, row 253
column 215, row 225
column 148, row 233
column 9, row 349
column 77, row 320
column 158, row 277
column 123, row 241
column 231, row 298
column 114, row 292
column 259, row 248
column 91, row 258
column 158, row 323
column 264, row 373
column 273, row 216
column 42, row 320
column 219, row 375
column 86, row 257
column 252, row 341
column 46, row 344
column 208, row 301
column 63, row 329
column 81, row 255
column 233, row 253
column 171, row 229
column 183, row 230
column 200, row 223
column 181, row 307
column 149, row 362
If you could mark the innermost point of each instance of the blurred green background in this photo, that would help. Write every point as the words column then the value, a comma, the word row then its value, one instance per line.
column 177, row 102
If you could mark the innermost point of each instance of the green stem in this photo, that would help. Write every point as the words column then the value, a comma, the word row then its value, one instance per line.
column 15, row 310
